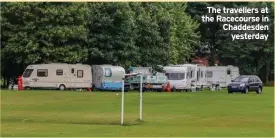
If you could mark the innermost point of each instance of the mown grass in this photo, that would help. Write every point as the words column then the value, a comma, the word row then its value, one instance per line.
column 200, row 114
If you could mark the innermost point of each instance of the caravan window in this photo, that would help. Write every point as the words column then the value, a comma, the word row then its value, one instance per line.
column 27, row 73
column 42, row 73
column 79, row 73
column 209, row 74
column 175, row 76
column 228, row 72
column 72, row 70
column 59, row 72
column 108, row 72
column 181, row 76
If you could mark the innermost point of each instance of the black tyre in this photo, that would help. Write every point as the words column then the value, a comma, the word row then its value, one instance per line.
column 246, row 90
column 62, row 87
column 230, row 91
column 259, row 90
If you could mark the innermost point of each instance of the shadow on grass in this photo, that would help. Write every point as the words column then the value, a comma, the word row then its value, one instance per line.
column 82, row 122
column 114, row 123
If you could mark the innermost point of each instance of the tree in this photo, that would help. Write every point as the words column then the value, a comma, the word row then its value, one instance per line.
column 42, row 33
column 112, row 34
column 251, row 56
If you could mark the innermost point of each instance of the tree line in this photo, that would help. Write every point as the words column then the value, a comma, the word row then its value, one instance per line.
column 125, row 34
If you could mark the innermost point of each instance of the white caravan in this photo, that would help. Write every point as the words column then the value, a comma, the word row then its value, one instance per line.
column 58, row 76
column 107, row 77
column 177, row 77
column 195, row 75
column 222, row 75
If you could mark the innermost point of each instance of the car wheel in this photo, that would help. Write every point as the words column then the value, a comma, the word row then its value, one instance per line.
column 230, row 91
column 259, row 91
column 62, row 87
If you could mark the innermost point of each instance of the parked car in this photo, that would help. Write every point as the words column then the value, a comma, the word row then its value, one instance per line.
column 245, row 84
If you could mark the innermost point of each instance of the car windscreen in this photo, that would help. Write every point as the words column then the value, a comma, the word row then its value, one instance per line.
column 175, row 76
column 241, row 79
column 27, row 73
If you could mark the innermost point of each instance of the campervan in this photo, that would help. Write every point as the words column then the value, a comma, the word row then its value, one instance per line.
column 221, row 75
column 195, row 75
column 58, row 76
column 177, row 76
column 107, row 77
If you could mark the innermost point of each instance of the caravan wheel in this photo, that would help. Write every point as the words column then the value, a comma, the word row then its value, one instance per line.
column 27, row 88
column 62, row 87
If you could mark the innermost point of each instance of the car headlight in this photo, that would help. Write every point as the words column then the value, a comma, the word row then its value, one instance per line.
column 242, row 85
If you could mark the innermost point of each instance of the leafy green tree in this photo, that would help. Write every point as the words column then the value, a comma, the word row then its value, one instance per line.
column 251, row 56
column 42, row 33
column 112, row 34
column 184, row 36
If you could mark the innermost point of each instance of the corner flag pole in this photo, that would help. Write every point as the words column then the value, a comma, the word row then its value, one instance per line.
column 140, row 98
column 122, row 102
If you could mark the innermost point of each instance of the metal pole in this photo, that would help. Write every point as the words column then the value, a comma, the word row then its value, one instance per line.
column 140, row 102
column 196, row 75
column 122, row 102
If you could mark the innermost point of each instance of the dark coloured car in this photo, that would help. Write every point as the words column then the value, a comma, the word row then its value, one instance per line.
column 245, row 84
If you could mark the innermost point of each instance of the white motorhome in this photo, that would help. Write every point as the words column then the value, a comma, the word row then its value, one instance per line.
column 58, row 76
column 195, row 75
column 222, row 75
column 107, row 77
column 177, row 76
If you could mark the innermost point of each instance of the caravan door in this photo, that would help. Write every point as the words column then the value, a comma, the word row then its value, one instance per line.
column 79, row 80
column 71, row 77
column 99, row 73
column 223, row 77
column 228, row 76
column 188, row 78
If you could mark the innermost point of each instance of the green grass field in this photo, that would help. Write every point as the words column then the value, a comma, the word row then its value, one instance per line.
column 179, row 114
